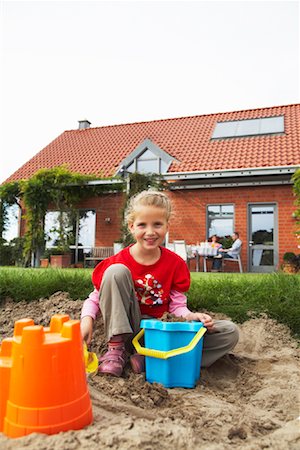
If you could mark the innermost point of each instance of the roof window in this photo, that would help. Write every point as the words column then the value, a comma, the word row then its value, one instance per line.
column 249, row 127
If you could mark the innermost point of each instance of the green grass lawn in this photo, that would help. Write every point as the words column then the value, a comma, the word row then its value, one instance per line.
column 240, row 296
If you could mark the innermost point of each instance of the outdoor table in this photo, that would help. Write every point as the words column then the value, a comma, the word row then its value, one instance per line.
column 203, row 250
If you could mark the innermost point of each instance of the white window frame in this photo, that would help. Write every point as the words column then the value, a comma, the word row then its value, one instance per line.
column 220, row 217
column 160, row 155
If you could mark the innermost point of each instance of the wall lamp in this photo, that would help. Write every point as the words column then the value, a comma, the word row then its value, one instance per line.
column 107, row 220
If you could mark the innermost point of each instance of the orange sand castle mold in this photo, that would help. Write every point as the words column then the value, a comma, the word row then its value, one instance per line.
column 43, row 380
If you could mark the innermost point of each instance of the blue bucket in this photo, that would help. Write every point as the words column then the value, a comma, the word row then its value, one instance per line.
column 173, row 352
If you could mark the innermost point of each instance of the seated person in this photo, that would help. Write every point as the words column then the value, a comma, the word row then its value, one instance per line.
column 231, row 252
column 214, row 242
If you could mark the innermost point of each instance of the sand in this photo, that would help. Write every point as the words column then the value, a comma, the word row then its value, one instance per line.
column 247, row 400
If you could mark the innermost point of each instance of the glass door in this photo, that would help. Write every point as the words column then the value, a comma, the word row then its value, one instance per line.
column 263, row 254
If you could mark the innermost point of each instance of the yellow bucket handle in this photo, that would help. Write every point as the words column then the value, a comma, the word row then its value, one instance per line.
column 166, row 354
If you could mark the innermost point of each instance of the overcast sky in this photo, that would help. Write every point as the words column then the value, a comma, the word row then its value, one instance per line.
column 126, row 61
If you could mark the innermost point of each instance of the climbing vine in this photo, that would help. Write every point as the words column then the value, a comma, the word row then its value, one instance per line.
column 62, row 190
column 296, row 189
column 57, row 187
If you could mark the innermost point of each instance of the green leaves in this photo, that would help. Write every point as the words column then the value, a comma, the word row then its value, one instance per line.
column 296, row 189
column 57, row 187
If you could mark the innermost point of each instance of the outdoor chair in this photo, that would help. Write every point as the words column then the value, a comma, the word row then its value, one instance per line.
column 170, row 246
column 180, row 248
column 118, row 246
column 233, row 260
column 98, row 254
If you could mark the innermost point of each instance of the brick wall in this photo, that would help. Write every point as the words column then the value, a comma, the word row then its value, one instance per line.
column 188, row 220
column 189, row 213
column 107, row 206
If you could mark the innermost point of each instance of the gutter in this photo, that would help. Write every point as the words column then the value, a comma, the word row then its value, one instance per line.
column 230, row 173
column 104, row 182
column 178, row 186
column 255, row 176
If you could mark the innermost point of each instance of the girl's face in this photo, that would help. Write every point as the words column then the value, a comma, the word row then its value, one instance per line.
column 149, row 227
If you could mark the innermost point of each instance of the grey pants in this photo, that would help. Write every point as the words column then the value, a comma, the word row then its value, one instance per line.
column 121, row 315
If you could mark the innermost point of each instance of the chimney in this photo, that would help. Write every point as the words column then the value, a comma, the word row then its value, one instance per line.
column 83, row 124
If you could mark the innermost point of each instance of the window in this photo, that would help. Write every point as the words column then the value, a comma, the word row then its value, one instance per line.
column 12, row 226
column 52, row 225
column 249, row 127
column 220, row 220
column 86, row 228
column 148, row 162
column 80, row 229
column 262, row 225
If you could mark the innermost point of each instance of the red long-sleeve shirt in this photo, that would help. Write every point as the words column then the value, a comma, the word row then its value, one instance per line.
column 153, row 283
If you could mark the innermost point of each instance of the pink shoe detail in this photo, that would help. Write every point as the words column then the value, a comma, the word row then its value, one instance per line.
column 113, row 362
column 137, row 363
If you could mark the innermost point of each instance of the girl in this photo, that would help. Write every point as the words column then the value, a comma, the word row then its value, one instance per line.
column 146, row 280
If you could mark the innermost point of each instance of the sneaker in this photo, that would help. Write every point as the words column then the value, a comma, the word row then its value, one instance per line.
column 137, row 363
column 218, row 256
column 113, row 362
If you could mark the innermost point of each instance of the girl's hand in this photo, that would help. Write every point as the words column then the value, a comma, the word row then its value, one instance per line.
column 204, row 318
column 86, row 326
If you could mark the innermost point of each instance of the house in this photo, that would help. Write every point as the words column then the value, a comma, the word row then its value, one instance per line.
column 226, row 171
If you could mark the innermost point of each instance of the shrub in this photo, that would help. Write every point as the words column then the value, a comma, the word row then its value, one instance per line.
column 226, row 241
column 291, row 262
column 5, row 255
column 288, row 256
column 11, row 253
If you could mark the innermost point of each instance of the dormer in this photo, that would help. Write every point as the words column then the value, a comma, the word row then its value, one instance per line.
column 146, row 158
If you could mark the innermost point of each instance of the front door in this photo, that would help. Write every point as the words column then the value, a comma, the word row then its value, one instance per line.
column 263, row 254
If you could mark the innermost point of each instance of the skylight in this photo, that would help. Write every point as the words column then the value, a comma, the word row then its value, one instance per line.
column 249, row 127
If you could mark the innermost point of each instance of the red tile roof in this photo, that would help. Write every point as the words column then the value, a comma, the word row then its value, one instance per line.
column 188, row 139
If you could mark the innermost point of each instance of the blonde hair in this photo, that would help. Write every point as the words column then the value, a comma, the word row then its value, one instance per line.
column 147, row 198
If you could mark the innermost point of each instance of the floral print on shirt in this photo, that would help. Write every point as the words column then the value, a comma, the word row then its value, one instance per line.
column 149, row 291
